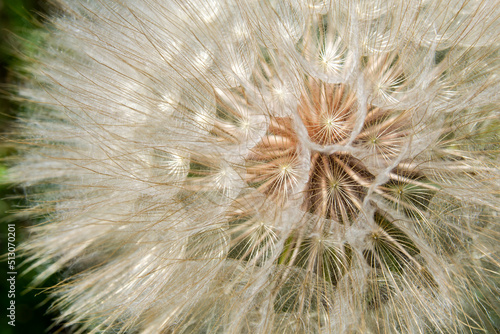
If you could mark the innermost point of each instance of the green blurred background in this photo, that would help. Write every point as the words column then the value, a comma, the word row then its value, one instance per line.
column 17, row 19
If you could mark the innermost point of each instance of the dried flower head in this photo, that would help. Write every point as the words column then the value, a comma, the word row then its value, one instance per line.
column 265, row 166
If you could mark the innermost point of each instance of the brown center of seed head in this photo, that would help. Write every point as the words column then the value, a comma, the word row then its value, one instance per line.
column 337, row 182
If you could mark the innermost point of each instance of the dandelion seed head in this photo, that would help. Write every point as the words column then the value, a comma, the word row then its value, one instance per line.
column 306, row 166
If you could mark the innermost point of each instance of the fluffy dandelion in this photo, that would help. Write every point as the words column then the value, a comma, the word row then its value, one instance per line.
column 295, row 166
